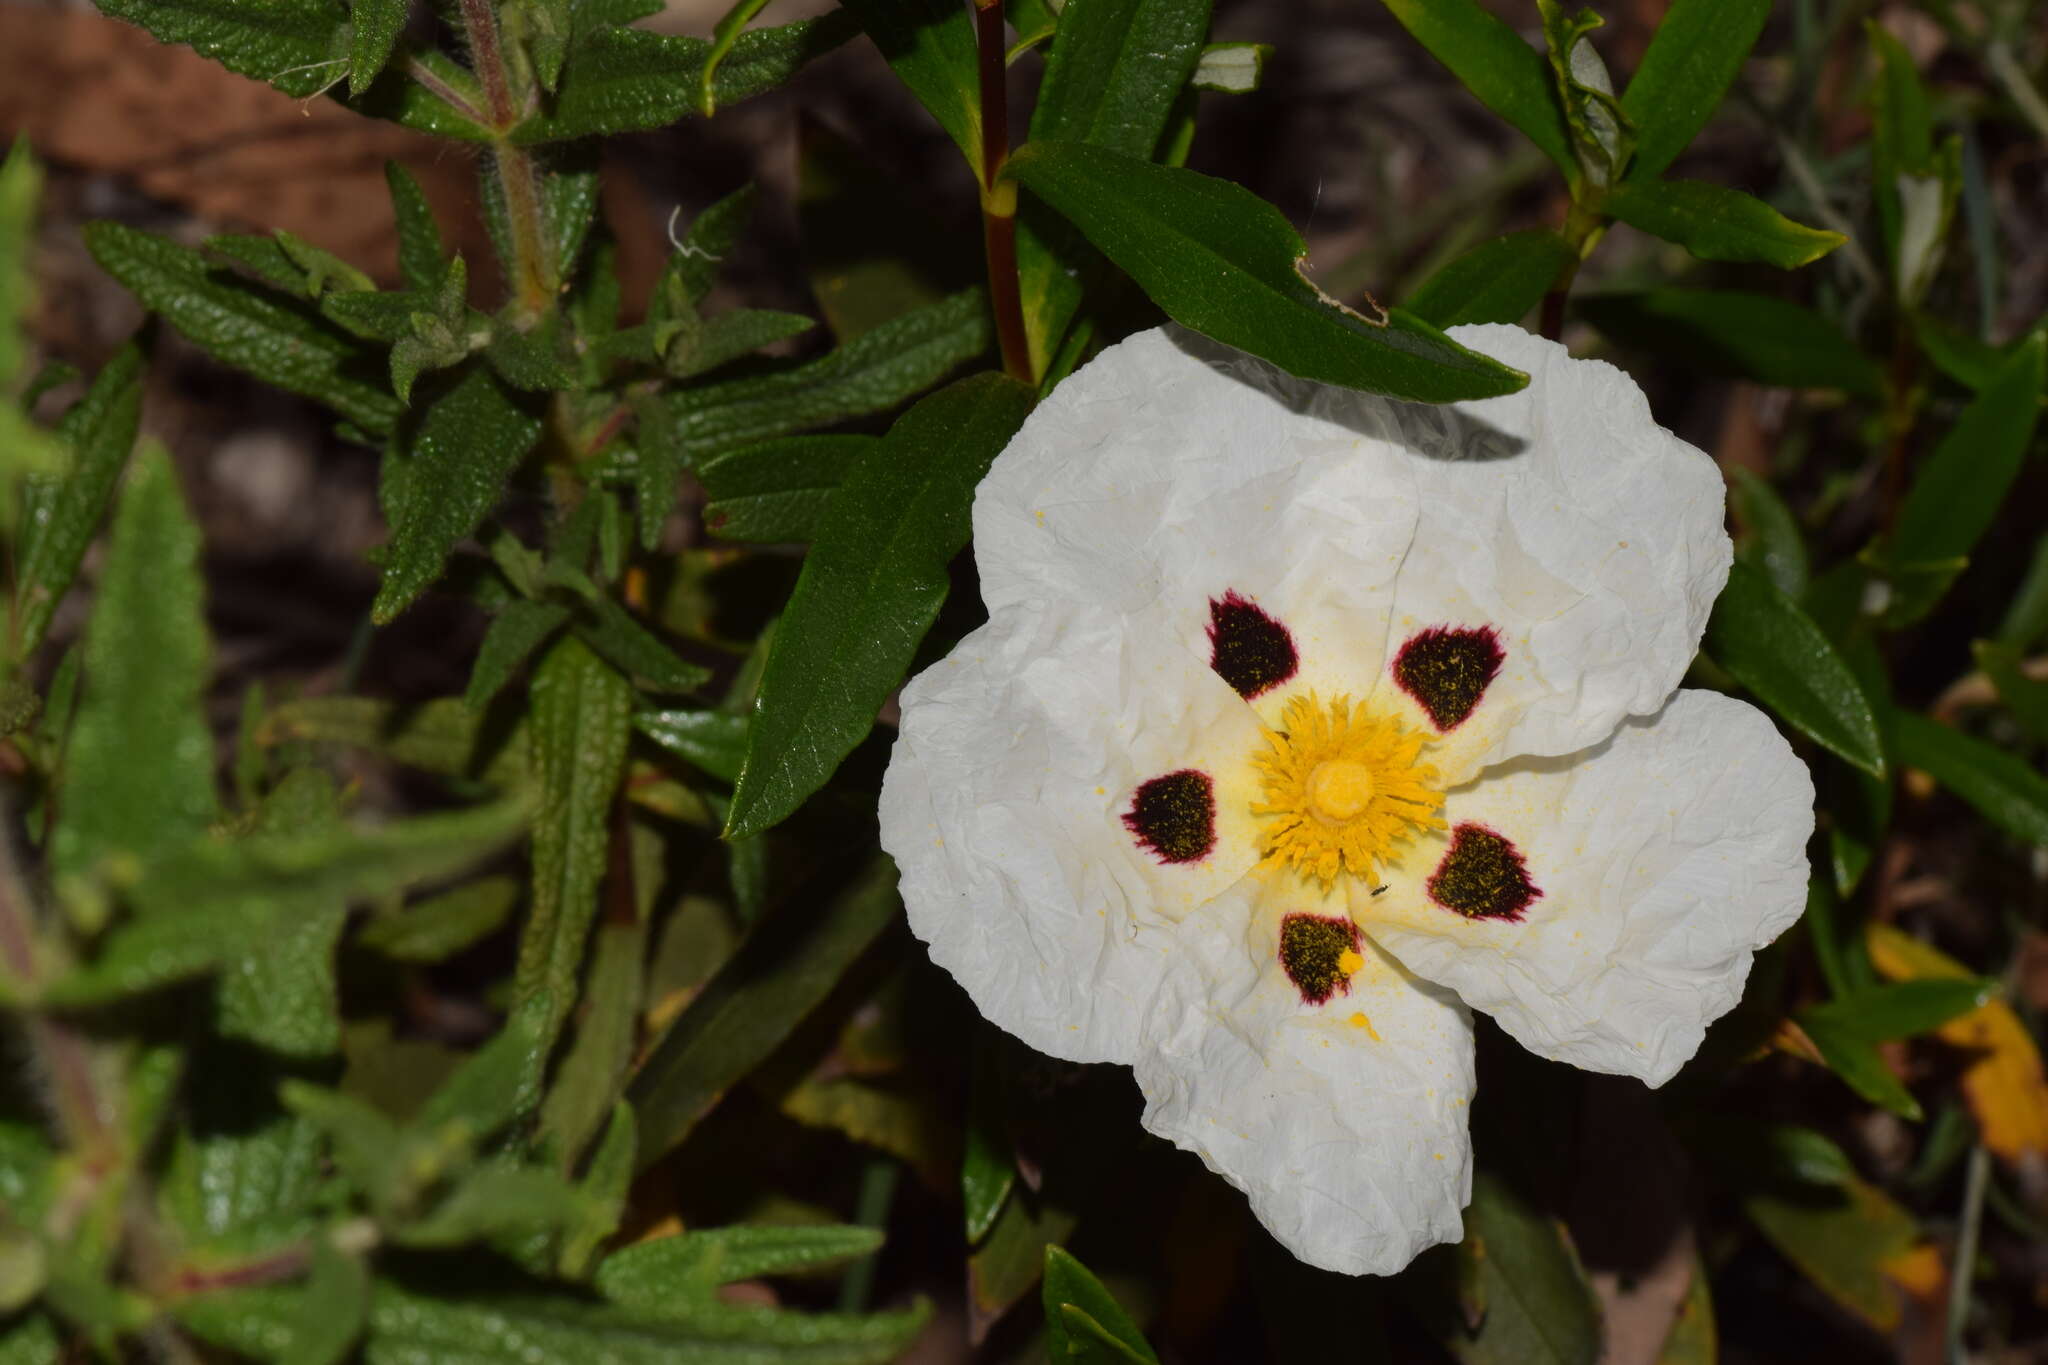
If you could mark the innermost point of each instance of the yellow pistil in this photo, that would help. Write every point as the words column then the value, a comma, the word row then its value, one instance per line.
column 1341, row 787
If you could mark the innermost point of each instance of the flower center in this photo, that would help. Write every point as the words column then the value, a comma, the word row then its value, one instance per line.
column 1340, row 788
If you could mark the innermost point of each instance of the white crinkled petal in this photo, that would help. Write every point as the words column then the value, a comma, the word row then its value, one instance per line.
column 1596, row 549
column 1346, row 1123
column 1170, row 471
column 1003, row 802
column 1666, row 857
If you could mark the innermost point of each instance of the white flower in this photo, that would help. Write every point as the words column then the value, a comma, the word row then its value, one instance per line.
column 1306, row 720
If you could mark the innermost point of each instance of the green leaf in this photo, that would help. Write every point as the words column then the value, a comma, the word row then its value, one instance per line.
column 778, row 490
column 1774, row 649
column 1011, row 1260
column 2024, row 697
column 138, row 771
column 545, row 27
column 299, row 46
column 408, row 1327
column 1771, row 541
column 496, row 1201
column 1959, row 490
column 374, row 26
column 498, row 1082
column 930, row 46
column 61, row 513
column 442, row 926
column 244, row 1166
column 516, row 632
column 988, row 1161
column 441, row 736
column 655, row 1273
column 1715, row 223
column 605, row 1188
column 714, row 741
column 1539, row 1308
column 29, row 1340
column 198, row 907
column 1602, row 136
column 1697, row 51
column 870, row 588
column 281, row 342
column 788, row 964
column 616, row 80
column 1902, row 140
column 633, row 650
column 21, row 182
column 1841, row 1241
column 870, row 374
column 1491, row 60
column 1222, row 261
column 278, row 992
column 1748, row 1154
column 1497, row 281
column 1111, row 79
column 593, row 1071
column 581, row 710
column 2026, row 616
column 1959, row 355
column 333, row 1308
column 727, row 337
column 367, row 1147
column 2004, row 788
column 1855, row 1058
column 1083, row 1321
column 1905, row 1009
column 457, row 457
column 1750, row 336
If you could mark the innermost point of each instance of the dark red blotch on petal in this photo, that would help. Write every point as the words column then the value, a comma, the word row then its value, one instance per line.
column 1312, row 949
column 1483, row 876
column 1247, row 648
column 1447, row 669
column 1174, row 817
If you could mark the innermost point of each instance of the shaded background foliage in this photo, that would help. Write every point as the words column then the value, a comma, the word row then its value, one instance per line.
column 807, row 1092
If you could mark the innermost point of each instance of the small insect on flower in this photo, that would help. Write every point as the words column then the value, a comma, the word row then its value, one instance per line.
column 1306, row 722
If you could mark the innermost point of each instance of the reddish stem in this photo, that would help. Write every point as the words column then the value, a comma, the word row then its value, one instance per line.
column 998, row 196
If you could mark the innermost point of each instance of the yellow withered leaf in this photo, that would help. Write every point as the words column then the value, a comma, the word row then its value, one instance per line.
column 2005, row 1084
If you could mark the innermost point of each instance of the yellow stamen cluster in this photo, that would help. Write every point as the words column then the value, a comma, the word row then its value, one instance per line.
column 1341, row 787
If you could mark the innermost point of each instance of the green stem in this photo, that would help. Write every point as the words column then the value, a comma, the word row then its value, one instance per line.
column 531, row 268
column 1975, row 1183
column 999, row 196
column 1582, row 230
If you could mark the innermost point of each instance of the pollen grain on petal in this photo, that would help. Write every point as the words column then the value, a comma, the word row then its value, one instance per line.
column 1248, row 648
column 1341, row 789
column 1447, row 669
column 1173, row 817
column 1483, row 876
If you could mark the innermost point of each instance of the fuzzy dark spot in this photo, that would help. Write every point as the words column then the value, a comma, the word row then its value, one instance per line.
column 1447, row 670
column 1247, row 648
column 1312, row 949
column 1174, row 817
column 1482, row 877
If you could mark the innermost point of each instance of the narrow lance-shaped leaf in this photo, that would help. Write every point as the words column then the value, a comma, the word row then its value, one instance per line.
column 1539, row 1309
column 930, row 46
column 1493, row 62
column 292, row 44
column 421, row 256
column 138, row 775
column 872, row 373
column 1697, row 50
column 1224, row 262
column 728, row 31
column 20, row 187
column 581, row 713
column 2026, row 698
column 2005, row 789
column 1751, row 336
column 373, row 28
column 239, row 324
column 1772, row 540
column 514, row 633
column 715, row 741
column 588, row 1082
column 1716, row 223
column 869, row 590
column 789, row 963
column 1083, row 1321
column 1775, row 650
column 62, row 513
column 616, row 80
column 778, row 490
column 458, row 456
column 1497, row 281
column 1960, row 489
